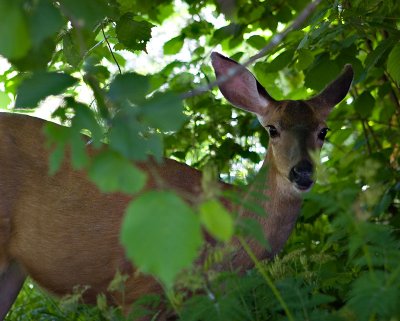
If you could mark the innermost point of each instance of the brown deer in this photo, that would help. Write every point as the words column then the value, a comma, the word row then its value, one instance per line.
column 62, row 231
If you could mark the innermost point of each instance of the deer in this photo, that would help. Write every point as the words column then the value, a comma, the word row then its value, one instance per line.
column 62, row 231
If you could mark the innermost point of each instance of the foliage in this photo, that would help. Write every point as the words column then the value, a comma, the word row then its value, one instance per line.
column 341, row 263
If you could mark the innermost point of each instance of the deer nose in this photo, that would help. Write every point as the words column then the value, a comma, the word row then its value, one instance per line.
column 301, row 175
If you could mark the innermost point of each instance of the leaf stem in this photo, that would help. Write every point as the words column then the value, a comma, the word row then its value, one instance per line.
column 109, row 48
column 266, row 277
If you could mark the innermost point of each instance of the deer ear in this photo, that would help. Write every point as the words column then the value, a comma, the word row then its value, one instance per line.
column 242, row 90
column 334, row 92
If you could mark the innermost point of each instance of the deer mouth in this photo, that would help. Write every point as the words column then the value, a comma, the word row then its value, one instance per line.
column 301, row 176
column 304, row 185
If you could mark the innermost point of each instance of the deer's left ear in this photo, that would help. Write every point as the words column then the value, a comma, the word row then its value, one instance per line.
column 334, row 92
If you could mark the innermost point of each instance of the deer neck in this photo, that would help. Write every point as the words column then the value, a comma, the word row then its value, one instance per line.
column 281, row 205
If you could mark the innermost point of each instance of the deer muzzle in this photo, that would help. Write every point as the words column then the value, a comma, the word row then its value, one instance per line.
column 301, row 175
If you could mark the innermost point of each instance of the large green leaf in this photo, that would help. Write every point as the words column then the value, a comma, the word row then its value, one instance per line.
column 364, row 104
column 217, row 220
column 4, row 100
column 129, row 86
column 280, row 62
column 174, row 45
column 113, row 173
column 134, row 34
column 393, row 64
column 40, row 85
column 132, row 139
column 164, row 111
column 161, row 235
column 321, row 73
column 40, row 28
column 87, row 13
column 14, row 35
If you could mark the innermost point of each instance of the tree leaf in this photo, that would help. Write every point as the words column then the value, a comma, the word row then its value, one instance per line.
column 4, row 100
column 132, row 33
column 364, row 104
column 217, row 220
column 174, row 45
column 280, row 62
column 164, row 111
column 321, row 73
column 161, row 235
column 393, row 64
column 86, row 13
column 131, row 86
column 40, row 85
column 76, row 43
column 14, row 35
column 257, row 41
column 304, row 60
column 113, row 173
column 40, row 28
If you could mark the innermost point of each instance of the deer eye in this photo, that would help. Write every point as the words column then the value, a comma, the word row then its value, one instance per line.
column 273, row 132
column 322, row 133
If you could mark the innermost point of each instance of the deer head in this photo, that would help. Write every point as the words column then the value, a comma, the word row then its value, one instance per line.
column 295, row 127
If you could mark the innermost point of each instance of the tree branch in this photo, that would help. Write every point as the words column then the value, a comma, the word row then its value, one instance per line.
column 297, row 23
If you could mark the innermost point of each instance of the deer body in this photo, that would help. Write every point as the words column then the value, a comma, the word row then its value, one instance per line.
column 62, row 231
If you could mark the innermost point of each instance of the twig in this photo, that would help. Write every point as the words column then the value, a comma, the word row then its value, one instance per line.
column 109, row 48
column 297, row 23
column 366, row 137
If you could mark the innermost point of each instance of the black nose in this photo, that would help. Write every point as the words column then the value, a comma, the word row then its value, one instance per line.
column 301, row 174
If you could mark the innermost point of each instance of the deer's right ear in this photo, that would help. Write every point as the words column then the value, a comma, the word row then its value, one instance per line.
column 242, row 90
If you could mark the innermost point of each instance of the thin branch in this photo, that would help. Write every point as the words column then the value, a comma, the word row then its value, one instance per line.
column 366, row 138
column 109, row 48
column 277, row 39
column 372, row 132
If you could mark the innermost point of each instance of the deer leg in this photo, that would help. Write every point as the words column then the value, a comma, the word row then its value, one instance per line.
column 11, row 282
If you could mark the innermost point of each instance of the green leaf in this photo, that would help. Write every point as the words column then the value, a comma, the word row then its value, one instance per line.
column 57, row 137
column 132, row 33
column 174, row 45
column 304, row 60
column 4, row 100
column 217, row 220
column 393, row 64
column 321, row 73
column 79, row 157
column 161, row 235
column 41, row 28
column 85, row 119
column 164, row 111
column 132, row 138
column 37, row 57
column 280, row 62
column 71, row 51
column 367, row 293
column 56, row 159
column 129, row 86
column 257, row 42
column 40, row 85
column 364, row 104
column 86, row 13
column 374, row 56
column 14, row 35
column 114, row 173
column 76, row 43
